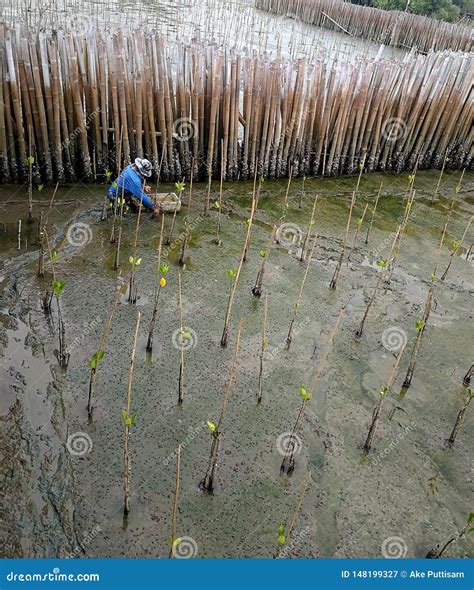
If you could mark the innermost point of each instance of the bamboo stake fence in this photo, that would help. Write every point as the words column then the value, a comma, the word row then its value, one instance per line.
column 70, row 95
column 390, row 27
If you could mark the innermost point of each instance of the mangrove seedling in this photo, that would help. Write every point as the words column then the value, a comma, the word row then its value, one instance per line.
column 286, row 206
column 369, row 228
column 235, row 278
column 377, row 411
column 120, row 201
column 284, row 531
column 438, row 551
column 468, row 376
column 460, row 417
column 160, row 283
column 63, row 354
column 360, row 221
column 382, row 264
column 263, row 347
column 260, row 184
column 172, row 541
column 183, row 336
column 186, row 220
column 455, row 247
column 337, row 271
column 302, row 257
column 257, row 288
column 401, row 232
column 296, row 305
column 134, row 260
column 106, row 204
column 30, row 160
column 288, row 463
column 207, row 484
column 128, row 421
column 99, row 353
column 179, row 186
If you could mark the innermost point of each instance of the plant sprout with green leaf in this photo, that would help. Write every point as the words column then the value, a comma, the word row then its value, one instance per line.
column 179, row 186
column 207, row 484
column 288, row 463
column 257, row 288
column 160, row 283
column 284, row 530
column 438, row 551
column 460, row 417
column 455, row 247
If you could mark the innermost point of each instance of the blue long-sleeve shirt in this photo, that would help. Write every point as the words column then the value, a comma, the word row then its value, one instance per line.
column 132, row 184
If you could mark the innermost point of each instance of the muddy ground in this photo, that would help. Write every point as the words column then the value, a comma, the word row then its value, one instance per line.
column 411, row 487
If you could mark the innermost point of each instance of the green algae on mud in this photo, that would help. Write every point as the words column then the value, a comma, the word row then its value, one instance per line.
column 353, row 503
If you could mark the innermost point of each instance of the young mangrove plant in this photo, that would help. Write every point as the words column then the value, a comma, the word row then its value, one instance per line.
column 285, row 208
column 160, row 283
column 235, row 278
column 186, row 220
column 284, row 530
column 401, row 232
column 100, row 352
column 260, row 184
column 120, row 202
column 216, row 430
column 455, row 247
column 360, row 221
column 302, row 256
column 263, row 347
column 134, row 261
column 377, row 411
column 296, row 305
column 106, row 205
column 128, row 421
column 337, row 271
column 382, row 264
column 257, row 288
column 374, row 210
column 183, row 336
column 468, row 376
column 438, row 551
column 460, row 417
column 173, row 540
column 179, row 186
column 288, row 463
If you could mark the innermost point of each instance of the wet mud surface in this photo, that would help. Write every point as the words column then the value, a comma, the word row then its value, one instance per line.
column 61, row 501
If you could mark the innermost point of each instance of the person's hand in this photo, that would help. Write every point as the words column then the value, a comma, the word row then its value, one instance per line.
column 156, row 212
column 147, row 190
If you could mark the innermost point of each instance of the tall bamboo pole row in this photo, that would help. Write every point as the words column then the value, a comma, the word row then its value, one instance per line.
column 68, row 97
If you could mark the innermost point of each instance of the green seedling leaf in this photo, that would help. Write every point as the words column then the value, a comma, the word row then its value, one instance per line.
column 54, row 256
column 217, row 205
column 108, row 173
column 135, row 261
column 359, row 221
column 262, row 253
column 40, row 187
column 305, row 394
column 58, row 287
column 128, row 420
column 115, row 185
column 30, row 160
column 212, row 427
column 281, row 540
column 186, row 334
column 419, row 324
column 179, row 186
column 164, row 268
column 470, row 518
column 264, row 343
column 361, row 166
column 382, row 263
column 282, row 529
column 96, row 357
column 230, row 273
column 433, row 278
column 411, row 177
column 383, row 390
column 455, row 245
